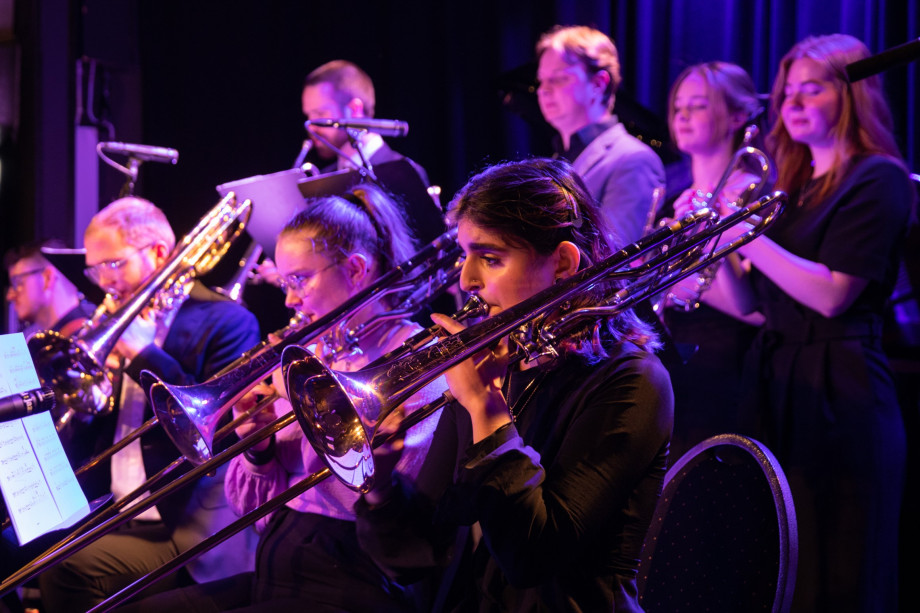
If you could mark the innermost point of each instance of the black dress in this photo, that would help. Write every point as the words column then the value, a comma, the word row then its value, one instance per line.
column 822, row 396
column 563, row 497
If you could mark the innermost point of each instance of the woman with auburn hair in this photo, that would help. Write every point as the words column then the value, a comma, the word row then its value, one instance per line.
column 820, row 385
column 543, row 476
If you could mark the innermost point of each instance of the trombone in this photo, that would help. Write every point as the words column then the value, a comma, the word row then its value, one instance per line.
column 295, row 323
column 426, row 273
column 190, row 414
column 332, row 406
column 75, row 366
column 664, row 257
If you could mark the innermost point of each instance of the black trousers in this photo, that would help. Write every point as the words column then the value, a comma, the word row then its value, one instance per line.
column 304, row 560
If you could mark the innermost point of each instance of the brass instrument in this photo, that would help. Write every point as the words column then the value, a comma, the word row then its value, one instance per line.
column 675, row 258
column 336, row 410
column 688, row 299
column 190, row 413
column 654, row 262
column 75, row 366
column 233, row 289
column 425, row 274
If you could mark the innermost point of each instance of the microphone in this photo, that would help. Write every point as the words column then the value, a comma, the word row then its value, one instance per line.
column 27, row 403
column 874, row 64
column 148, row 153
column 383, row 127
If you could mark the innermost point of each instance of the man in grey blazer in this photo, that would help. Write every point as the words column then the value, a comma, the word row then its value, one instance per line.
column 578, row 75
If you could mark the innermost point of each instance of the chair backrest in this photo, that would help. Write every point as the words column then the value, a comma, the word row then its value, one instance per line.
column 724, row 536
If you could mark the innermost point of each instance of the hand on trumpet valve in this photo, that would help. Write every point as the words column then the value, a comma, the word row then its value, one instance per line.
column 266, row 272
column 476, row 382
column 689, row 200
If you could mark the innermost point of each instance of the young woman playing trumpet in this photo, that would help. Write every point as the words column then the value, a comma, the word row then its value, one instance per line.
column 710, row 108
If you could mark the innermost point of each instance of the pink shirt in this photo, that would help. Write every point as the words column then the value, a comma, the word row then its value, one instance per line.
column 248, row 486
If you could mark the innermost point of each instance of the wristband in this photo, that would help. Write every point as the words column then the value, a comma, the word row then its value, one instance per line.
column 260, row 458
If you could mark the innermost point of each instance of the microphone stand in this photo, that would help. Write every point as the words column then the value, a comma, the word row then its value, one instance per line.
column 127, row 189
column 130, row 171
column 354, row 135
column 363, row 169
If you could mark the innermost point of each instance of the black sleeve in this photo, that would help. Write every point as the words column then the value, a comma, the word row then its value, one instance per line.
column 537, row 518
column 401, row 534
column 869, row 221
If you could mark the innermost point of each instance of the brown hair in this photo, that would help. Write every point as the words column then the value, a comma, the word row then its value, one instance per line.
column 541, row 203
column 731, row 90
column 347, row 81
column 363, row 220
column 589, row 47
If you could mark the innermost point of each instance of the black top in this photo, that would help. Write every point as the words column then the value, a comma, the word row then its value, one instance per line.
column 857, row 230
column 820, row 394
column 564, row 497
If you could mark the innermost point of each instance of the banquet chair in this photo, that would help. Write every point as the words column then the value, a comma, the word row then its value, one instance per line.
column 723, row 537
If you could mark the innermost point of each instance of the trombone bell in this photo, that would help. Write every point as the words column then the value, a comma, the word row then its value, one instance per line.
column 330, row 415
column 188, row 420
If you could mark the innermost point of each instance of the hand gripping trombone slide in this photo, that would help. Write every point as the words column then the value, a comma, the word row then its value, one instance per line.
column 659, row 259
column 676, row 258
column 418, row 280
column 337, row 410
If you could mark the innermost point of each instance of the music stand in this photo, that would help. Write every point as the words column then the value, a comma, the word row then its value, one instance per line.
column 400, row 179
column 279, row 196
column 275, row 199
column 71, row 263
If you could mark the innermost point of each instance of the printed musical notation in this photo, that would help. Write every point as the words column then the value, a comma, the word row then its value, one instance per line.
column 17, row 373
column 39, row 485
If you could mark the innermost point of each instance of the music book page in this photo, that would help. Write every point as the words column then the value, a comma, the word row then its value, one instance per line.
column 38, row 484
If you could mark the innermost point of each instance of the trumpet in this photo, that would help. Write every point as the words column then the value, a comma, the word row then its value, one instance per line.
column 338, row 410
column 654, row 262
column 233, row 289
column 75, row 366
column 689, row 299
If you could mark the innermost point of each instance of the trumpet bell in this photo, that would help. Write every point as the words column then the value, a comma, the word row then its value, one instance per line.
column 330, row 406
column 77, row 378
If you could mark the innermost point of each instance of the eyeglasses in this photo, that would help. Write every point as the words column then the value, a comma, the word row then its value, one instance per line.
column 94, row 273
column 18, row 279
column 296, row 281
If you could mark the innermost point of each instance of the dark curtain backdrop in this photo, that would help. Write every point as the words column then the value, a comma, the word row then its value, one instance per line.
column 221, row 81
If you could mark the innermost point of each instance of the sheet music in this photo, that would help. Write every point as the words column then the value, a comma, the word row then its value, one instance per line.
column 27, row 495
column 38, row 484
column 17, row 373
